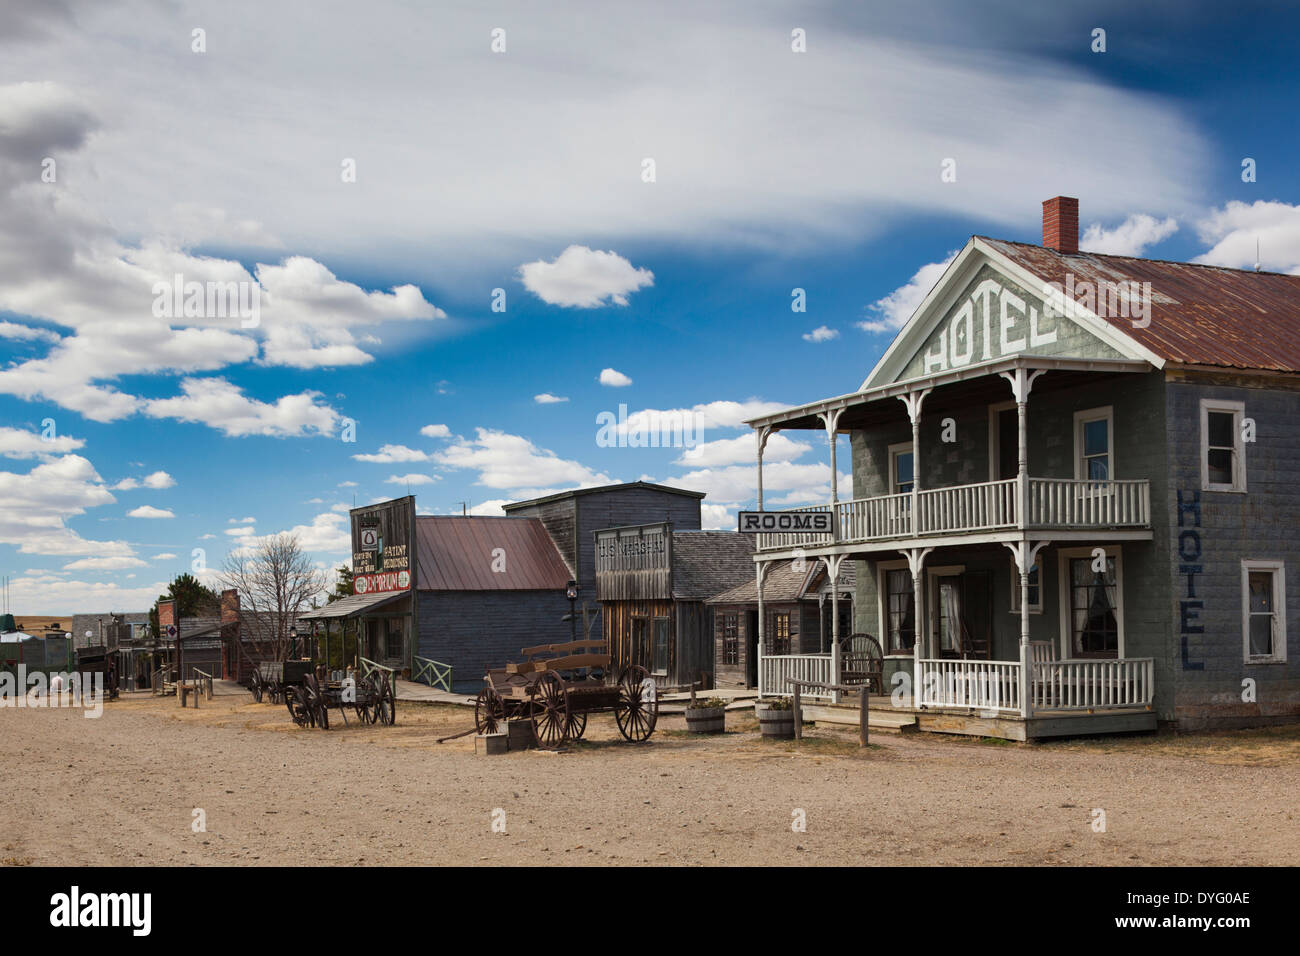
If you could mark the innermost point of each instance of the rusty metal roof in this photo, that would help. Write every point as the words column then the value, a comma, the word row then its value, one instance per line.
column 459, row 554
column 1200, row 314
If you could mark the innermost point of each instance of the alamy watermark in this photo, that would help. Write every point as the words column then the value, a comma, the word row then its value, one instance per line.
column 179, row 299
column 61, row 689
column 1106, row 299
column 650, row 428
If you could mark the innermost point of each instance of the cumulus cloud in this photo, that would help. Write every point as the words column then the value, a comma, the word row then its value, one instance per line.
column 19, row 443
column 222, row 405
column 614, row 378
column 1129, row 238
column 157, row 481
column 1234, row 230
column 546, row 398
column 742, row 449
column 165, row 556
column 821, row 334
column 512, row 462
column 149, row 511
column 895, row 309
column 414, row 478
column 584, row 278
column 435, row 431
column 26, row 333
column 104, row 564
column 35, row 506
column 390, row 454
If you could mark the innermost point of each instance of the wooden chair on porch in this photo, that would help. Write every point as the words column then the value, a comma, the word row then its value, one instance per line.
column 1042, row 690
column 862, row 662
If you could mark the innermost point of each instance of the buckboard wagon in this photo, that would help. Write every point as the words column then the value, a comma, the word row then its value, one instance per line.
column 308, row 692
column 558, row 685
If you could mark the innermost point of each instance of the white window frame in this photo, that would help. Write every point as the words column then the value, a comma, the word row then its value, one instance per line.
column 1063, row 592
column 932, row 598
column 1082, row 418
column 901, row 448
column 1238, row 412
column 995, row 437
column 1015, row 589
column 1279, row 609
column 882, row 605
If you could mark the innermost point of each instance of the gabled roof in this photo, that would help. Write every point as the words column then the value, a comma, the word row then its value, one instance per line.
column 460, row 554
column 785, row 583
column 578, row 492
column 1200, row 314
column 706, row 562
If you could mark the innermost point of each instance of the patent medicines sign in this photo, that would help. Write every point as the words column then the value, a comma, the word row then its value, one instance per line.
column 781, row 522
column 382, row 546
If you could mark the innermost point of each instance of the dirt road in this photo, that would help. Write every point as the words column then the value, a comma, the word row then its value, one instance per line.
column 123, row 789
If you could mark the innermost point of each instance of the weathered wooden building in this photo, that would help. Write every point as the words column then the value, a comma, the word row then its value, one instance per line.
column 798, row 606
column 653, row 582
column 1075, row 495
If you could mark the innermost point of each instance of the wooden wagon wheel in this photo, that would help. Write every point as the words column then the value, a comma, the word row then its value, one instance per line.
column 489, row 712
column 295, row 701
column 550, row 710
column 385, row 704
column 577, row 724
column 365, row 700
column 637, row 707
column 255, row 687
column 321, row 708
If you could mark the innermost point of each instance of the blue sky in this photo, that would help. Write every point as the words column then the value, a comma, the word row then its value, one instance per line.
column 523, row 170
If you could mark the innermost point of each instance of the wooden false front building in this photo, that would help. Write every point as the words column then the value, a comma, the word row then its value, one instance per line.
column 652, row 582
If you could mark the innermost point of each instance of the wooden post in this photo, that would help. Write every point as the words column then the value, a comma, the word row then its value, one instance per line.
column 862, row 714
column 798, row 714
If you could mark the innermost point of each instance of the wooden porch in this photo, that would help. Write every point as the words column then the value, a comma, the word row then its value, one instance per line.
column 1015, row 700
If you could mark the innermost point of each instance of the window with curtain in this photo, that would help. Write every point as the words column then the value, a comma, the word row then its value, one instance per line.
column 949, row 613
column 1094, row 609
column 900, row 611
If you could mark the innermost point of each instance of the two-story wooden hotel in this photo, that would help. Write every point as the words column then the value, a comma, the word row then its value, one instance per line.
column 1075, row 494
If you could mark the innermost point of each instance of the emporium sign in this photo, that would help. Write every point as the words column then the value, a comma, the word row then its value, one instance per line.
column 382, row 581
column 812, row 522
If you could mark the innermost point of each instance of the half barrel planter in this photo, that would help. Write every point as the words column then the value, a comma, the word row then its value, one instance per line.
column 777, row 724
column 706, row 720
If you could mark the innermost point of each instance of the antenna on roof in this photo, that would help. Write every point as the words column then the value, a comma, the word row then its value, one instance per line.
column 1257, row 253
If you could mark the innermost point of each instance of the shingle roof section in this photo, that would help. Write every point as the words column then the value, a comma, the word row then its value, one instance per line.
column 1200, row 314
column 706, row 562
column 457, row 554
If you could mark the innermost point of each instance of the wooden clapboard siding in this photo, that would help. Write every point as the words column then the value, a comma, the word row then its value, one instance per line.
column 624, row 647
column 634, row 564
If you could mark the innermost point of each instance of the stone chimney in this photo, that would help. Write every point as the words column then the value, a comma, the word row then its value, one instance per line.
column 1061, row 224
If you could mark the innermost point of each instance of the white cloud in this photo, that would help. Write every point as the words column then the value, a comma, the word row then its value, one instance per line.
column 614, row 378
column 165, row 556
column 435, row 431
column 897, row 307
column 821, row 334
column 742, row 449
column 492, row 508
column 784, row 484
column 1235, row 229
column 546, row 398
column 327, row 533
column 104, row 564
column 43, row 593
column 1129, row 238
column 584, row 278
column 347, row 484
column 390, row 454
column 35, row 506
column 20, row 443
column 415, row 478
column 512, row 462
column 26, row 333
column 149, row 511
column 224, row 406
column 241, row 532
column 241, row 521
column 157, row 481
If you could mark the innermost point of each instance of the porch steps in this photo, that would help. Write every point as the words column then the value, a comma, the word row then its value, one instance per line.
column 897, row 723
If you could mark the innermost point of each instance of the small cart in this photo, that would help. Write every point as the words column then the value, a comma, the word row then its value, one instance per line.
column 558, row 685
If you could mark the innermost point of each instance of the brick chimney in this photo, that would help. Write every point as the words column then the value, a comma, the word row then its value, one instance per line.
column 1061, row 224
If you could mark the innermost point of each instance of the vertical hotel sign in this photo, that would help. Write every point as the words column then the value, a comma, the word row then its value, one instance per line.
column 382, row 542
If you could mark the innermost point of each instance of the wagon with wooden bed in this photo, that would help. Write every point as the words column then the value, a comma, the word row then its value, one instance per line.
column 557, row 686
column 309, row 691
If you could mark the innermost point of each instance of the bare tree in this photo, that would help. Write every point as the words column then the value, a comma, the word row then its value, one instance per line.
column 276, row 580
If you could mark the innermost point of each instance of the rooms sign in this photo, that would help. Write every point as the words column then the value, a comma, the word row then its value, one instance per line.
column 777, row 522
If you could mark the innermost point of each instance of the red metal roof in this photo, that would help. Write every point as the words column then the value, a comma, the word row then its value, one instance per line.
column 1200, row 315
column 457, row 554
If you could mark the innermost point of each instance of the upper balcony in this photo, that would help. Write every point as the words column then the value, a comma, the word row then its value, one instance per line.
column 1054, row 504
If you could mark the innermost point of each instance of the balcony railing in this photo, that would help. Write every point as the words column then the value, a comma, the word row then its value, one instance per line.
column 987, row 506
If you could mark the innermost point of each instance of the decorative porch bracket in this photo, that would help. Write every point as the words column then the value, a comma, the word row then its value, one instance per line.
column 833, row 563
column 831, row 420
column 1025, row 553
column 914, row 401
column 1022, row 381
column 915, row 563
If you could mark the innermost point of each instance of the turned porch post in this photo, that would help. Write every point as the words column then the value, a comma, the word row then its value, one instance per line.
column 763, row 434
column 833, row 562
column 914, row 401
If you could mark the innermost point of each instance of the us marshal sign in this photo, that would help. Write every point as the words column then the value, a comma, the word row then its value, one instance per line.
column 812, row 522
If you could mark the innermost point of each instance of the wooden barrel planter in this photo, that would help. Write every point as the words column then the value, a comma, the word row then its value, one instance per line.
column 706, row 720
column 774, row 723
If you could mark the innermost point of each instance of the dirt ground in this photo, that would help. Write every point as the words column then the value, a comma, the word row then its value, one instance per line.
column 123, row 789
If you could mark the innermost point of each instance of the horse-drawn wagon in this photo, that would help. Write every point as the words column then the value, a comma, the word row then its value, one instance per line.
column 309, row 690
column 557, row 686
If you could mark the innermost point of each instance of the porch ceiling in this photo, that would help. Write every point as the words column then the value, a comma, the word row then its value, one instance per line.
column 979, row 384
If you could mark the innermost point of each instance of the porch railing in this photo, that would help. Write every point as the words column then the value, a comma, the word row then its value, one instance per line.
column 433, row 673
column 985, row 506
column 1065, row 503
column 1092, row 685
column 775, row 672
column 984, row 685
